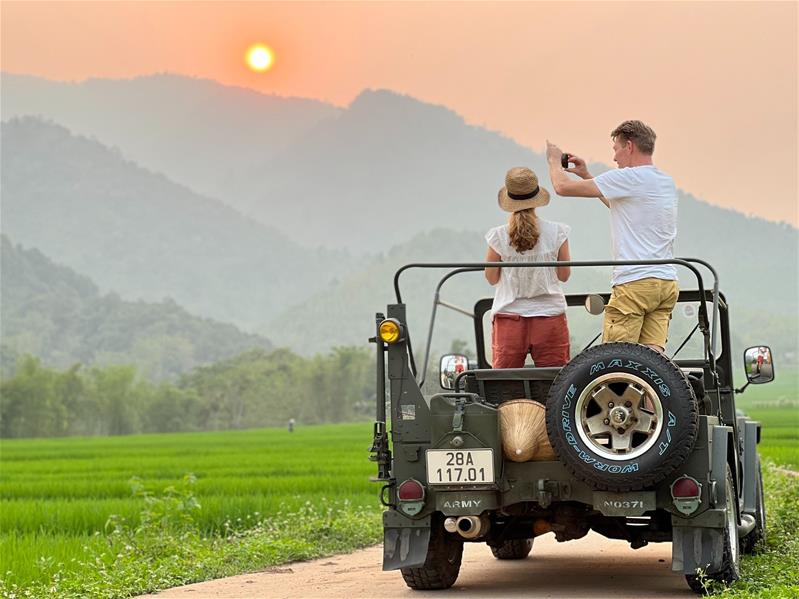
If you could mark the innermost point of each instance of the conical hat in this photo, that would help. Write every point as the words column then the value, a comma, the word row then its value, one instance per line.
column 524, row 431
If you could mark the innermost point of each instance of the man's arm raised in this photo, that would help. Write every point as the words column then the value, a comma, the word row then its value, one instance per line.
column 563, row 185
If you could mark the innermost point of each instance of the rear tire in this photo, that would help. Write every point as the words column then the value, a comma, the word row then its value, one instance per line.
column 515, row 549
column 751, row 541
column 730, row 571
column 621, row 417
column 443, row 563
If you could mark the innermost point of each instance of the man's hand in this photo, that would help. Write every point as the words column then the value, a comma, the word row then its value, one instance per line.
column 563, row 185
column 579, row 167
column 553, row 153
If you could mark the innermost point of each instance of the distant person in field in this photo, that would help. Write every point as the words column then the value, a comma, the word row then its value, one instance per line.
column 460, row 364
column 529, row 310
column 643, row 224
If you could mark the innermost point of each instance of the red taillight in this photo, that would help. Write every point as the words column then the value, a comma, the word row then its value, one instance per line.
column 411, row 490
column 685, row 487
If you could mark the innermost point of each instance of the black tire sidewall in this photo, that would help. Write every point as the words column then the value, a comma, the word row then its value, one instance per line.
column 674, row 441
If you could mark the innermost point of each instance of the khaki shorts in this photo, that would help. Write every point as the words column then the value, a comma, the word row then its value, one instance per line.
column 640, row 311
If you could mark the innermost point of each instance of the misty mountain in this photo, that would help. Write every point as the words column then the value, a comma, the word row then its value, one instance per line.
column 400, row 165
column 196, row 131
column 139, row 234
column 50, row 311
column 368, row 177
column 292, row 163
column 404, row 167
column 386, row 170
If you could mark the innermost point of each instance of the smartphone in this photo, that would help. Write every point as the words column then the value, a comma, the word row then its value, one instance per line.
column 564, row 160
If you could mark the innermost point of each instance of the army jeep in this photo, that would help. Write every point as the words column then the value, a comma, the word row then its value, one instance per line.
column 642, row 446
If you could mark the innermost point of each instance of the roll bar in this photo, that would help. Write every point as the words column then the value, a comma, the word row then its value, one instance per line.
column 706, row 326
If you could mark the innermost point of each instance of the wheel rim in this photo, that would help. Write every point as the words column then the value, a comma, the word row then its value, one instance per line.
column 619, row 416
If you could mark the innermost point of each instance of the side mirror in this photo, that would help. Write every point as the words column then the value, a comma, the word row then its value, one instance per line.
column 594, row 304
column 451, row 366
column 758, row 365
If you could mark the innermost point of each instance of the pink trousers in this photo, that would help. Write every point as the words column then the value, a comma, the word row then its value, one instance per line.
column 545, row 338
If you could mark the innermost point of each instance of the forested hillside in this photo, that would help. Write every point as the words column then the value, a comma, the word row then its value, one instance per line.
column 138, row 234
column 60, row 316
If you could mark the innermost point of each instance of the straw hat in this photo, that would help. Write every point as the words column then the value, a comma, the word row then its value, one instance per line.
column 523, row 427
column 521, row 191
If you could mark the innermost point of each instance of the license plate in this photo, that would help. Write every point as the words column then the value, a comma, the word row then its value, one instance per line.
column 624, row 504
column 460, row 467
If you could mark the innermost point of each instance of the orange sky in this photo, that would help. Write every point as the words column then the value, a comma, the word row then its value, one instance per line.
column 716, row 80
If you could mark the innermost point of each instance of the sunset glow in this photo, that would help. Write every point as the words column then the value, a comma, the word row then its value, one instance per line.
column 260, row 58
column 332, row 51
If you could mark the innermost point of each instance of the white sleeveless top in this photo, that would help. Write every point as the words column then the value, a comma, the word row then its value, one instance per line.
column 529, row 291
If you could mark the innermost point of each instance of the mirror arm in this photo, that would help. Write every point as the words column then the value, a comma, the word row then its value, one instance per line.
column 456, row 385
column 742, row 389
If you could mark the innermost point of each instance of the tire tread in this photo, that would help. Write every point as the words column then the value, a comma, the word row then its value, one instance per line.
column 643, row 480
column 513, row 549
column 437, row 572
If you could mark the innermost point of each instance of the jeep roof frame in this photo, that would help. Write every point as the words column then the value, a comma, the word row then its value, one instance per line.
column 708, row 327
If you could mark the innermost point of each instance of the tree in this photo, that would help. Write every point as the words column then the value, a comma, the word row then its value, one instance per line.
column 30, row 404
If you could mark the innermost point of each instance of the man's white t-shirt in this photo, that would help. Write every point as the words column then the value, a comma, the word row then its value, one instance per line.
column 643, row 220
column 529, row 291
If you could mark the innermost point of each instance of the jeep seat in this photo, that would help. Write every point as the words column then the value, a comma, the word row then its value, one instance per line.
column 504, row 384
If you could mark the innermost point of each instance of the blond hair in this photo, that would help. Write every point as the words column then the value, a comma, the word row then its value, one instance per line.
column 637, row 132
column 523, row 229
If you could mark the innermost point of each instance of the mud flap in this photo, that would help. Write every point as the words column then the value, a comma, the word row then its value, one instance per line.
column 405, row 541
column 698, row 542
column 697, row 548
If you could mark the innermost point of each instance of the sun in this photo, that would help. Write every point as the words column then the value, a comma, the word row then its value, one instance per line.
column 260, row 58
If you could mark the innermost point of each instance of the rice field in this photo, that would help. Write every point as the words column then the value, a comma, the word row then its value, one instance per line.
column 56, row 494
column 776, row 406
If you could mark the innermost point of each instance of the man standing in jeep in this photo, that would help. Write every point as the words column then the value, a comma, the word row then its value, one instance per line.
column 643, row 221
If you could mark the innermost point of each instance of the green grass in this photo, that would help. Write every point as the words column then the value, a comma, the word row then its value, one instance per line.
column 57, row 495
column 69, row 521
column 776, row 406
column 773, row 571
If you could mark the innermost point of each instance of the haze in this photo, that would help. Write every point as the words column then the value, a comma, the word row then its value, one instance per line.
column 717, row 81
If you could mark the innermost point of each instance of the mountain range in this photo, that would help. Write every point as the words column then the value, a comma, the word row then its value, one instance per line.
column 195, row 130
column 135, row 232
column 58, row 315
column 294, row 227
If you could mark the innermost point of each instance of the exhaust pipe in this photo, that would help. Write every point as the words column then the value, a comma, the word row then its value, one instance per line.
column 471, row 527
column 451, row 524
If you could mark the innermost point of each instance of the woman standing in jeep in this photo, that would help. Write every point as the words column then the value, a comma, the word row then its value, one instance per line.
column 529, row 310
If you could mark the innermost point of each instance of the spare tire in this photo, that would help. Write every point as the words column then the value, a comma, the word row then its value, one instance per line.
column 621, row 417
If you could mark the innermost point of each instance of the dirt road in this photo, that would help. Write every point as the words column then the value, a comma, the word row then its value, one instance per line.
column 592, row 567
